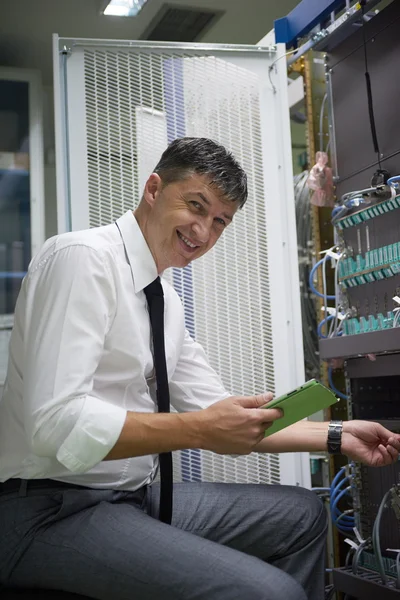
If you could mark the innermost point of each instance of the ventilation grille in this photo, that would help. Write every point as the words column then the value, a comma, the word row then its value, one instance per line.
column 180, row 24
column 137, row 102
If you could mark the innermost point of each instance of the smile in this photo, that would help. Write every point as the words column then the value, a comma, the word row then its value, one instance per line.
column 187, row 242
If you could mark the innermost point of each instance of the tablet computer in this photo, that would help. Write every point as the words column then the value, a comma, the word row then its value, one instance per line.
column 300, row 403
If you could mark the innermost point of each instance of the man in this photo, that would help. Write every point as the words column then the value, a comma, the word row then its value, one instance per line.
column 80, row 432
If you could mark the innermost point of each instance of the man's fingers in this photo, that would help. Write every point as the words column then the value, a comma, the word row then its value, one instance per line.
column 395, row 443
column 268, row 415
column 387, row 458
column 393, row 452
column 255, row 401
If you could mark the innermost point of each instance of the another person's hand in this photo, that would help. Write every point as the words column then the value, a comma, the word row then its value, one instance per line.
column 237, row 424
column 370, row 443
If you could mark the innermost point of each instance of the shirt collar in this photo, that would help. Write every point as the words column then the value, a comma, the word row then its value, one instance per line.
column 141, row 261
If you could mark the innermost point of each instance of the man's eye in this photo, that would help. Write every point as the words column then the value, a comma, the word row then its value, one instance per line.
column 221, row 222
column 197, row 205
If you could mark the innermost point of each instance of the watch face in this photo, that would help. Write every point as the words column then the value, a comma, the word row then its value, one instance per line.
column 336, row 430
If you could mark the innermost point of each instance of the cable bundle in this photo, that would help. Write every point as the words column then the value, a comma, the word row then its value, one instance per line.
column 341, row 487
column 305, row 244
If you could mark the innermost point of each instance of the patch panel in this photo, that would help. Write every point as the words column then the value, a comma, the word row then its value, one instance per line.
column 371, row 212
column 355, row 326
column 377, row 264
column 368, row 561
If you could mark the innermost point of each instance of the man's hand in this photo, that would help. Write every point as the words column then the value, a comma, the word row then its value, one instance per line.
column 237, row 424
column 370, row 443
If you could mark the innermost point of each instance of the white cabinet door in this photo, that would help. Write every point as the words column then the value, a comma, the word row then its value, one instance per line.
column 117, row 105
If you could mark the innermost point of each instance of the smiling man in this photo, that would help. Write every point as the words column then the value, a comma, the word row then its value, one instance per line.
column 80, row 433
column 182, row 220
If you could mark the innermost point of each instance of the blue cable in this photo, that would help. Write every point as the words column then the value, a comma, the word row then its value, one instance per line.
column 337, row 477
column 394, row 181
column 344, row 530
column 341, row 519
column 346, row 523
column 311, row 277
column 332, row 386
column 344, row 527
column 340, row 211
column 343, row 523
column 338, row 497
column 320, row 326
column 335, row 512
column 336, row 210
column 337, row 490
column 346, row 520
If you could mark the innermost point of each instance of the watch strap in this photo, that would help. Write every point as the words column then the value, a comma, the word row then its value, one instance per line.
column 334, row 442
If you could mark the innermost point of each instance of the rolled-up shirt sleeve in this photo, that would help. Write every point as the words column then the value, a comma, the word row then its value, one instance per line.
column 195, row 384
column 70, row 303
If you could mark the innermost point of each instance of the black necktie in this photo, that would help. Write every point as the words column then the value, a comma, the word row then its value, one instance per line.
column 155, row 300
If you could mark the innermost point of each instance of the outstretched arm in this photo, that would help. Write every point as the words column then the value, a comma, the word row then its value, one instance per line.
column 363, row 441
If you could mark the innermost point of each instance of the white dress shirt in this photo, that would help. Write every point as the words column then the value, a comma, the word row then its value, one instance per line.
column 80, row 358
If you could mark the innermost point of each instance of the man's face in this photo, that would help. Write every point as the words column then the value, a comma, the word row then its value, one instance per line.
column 186, row 219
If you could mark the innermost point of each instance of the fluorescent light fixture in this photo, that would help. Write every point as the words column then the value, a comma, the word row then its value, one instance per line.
column 124, row 8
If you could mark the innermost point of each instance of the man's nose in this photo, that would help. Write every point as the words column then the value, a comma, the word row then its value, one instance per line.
column 202, row 230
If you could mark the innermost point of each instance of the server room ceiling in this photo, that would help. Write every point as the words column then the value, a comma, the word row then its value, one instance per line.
column 26, row 27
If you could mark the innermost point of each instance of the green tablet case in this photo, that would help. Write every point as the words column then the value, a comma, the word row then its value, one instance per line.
column 300, row 403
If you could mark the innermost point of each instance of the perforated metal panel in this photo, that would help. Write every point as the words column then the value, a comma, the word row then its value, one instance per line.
column 135, row 102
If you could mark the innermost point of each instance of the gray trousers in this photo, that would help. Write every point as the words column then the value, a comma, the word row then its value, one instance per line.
column 226, row 542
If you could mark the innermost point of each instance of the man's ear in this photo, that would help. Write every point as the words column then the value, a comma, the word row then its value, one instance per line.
column 152, row 188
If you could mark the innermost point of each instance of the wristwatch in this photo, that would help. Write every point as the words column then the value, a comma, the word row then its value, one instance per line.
column 335, row 430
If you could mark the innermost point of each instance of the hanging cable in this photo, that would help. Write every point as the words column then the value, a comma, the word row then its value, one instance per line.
column 332, row 386
column 343, row 521
column 338, row 475
column 340, row 519
column 369, row 88
column 321, row 325
column 376, row 540
column 336, row 324
column 271, row 66
column 321, row 123
column 311, row 281
column 308, row 309
column 356, row 558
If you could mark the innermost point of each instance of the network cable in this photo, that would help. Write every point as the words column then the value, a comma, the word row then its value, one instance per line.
column 376, row 538
column 397, row 565
column 311, row 279
column 342, row 520
column 347, row 523
column 332, row 385
column 305, row 245
column 394, row 182
column 357, row 555
column 336, row 322
column 321, row 324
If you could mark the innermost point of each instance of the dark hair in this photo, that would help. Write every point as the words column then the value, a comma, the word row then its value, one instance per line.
column 186, row 156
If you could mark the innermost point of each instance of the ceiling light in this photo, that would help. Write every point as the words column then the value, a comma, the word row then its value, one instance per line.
column 124, row 8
